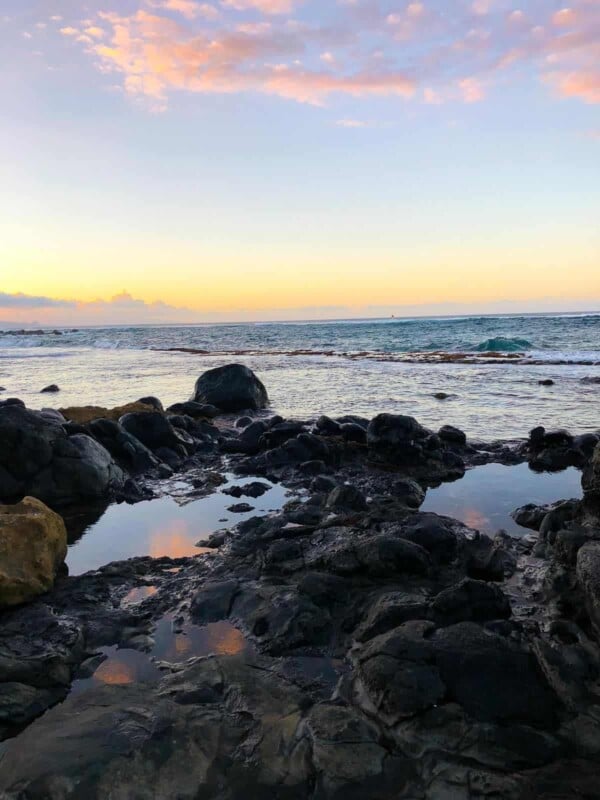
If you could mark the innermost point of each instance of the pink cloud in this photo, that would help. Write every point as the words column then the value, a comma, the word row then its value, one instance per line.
column 200, row 47
column 581, row 85
column 264, row 6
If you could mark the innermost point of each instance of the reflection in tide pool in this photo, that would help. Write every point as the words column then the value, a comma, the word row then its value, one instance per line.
column 486, row 496
column 174, row 646
column 160, row 528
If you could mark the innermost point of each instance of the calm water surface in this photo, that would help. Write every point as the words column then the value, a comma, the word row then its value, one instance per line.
column 485, row 497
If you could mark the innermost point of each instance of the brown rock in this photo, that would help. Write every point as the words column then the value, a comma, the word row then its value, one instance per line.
column 84, row 414
column 33, row 545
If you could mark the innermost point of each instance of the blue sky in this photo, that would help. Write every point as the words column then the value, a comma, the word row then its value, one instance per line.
column 258, row 158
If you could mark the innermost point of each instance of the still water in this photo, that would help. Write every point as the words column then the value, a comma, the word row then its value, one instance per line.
column 162, row 527
column 485, row 497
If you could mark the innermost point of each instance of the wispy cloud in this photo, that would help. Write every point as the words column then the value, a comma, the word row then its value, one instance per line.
column 416, row 51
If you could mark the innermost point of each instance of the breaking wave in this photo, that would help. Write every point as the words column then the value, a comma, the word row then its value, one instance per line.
column 500, row 344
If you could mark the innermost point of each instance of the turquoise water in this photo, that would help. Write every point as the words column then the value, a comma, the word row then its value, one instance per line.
column 357, row 366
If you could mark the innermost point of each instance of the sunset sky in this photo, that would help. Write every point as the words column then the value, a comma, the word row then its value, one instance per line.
column 173, row 160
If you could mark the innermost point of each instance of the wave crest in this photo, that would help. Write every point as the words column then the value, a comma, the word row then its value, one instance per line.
column 500, row 344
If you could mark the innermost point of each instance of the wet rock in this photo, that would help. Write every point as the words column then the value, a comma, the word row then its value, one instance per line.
column 231, row 388
column 322, row 483
column 325, row 426
column 546, row 382
column 470, row 601
column 402, row 442
column 281, row 619
column 353, row 433
column 152, row 401
column 153, row 430
column 531, row 515
column 488, row 560
column 441, row 396
column 240, row 508
column 413, row 668
column 437, row 535
column 391, row 610
column 448, row 433
column 556, row 450
column 38, row 654
column 254, row 489
column 37, row 458
column 348, row 757
column 52, row 389
column 588, row 575
column 344, row 498
column 214, row 601
column 194, row 410
column 11, row 401
column 33, row 546
column 127, row 450
column 591, row 483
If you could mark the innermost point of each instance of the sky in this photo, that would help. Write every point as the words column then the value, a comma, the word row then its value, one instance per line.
column 183, row 161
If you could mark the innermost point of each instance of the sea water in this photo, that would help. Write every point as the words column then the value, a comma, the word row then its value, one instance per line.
column 489, row 366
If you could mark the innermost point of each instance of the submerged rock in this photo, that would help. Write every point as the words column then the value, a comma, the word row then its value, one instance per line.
column 231, row 388
column 33, row 546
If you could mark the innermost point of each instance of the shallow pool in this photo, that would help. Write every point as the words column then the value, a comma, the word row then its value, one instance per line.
column 485, row 497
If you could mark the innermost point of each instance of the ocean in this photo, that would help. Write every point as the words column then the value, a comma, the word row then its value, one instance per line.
column 489, row 366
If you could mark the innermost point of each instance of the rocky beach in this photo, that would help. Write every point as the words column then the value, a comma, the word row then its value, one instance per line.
column 331, row 640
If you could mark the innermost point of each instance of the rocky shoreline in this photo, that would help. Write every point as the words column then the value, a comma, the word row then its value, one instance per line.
column 376, row 651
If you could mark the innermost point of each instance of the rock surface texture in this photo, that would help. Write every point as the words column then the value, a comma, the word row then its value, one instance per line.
column 33, row 546
column 344, row 646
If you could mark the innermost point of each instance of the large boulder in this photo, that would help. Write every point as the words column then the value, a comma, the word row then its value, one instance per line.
column 233, row 387
column 33, row 545
column 38, row 458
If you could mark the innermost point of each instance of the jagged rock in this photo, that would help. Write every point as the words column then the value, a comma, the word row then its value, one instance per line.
column 344, row 498
column 155, row 431
column 588, row 575
column 470, row 601
column 400, row 441
column 127, row 450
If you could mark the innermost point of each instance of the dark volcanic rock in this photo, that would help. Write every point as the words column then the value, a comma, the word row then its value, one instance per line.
column 556, row 450
column 231, row 388
column 194, row 410
column 39, row 459
column 151, row 401
column 126, row 449
column 52, row 389
column 344, row 498
column 470, row 600
column 403, row 443
column 154, row 430
column 412, row 668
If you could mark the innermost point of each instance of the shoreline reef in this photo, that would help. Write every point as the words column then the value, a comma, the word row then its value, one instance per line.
column 374, row 651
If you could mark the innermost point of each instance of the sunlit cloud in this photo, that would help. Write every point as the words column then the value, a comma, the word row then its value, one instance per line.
column 169, row 46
